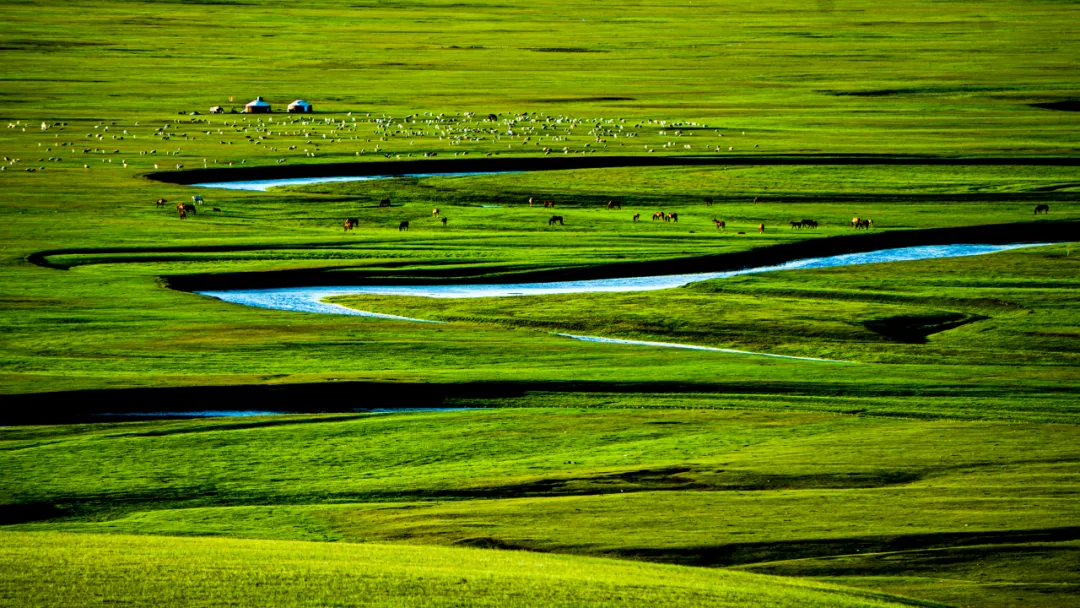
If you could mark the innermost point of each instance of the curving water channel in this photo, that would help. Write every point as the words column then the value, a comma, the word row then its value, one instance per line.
column 310, row 299
column 262, row 185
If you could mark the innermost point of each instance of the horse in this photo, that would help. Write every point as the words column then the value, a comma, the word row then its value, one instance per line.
column 530, row 201
column 444, row 221
column 637, row 216
column 215, row 209
column 795, row 225
column 672, row 217
column 708, row 201
column 351, row 223
column 435, row 212
column 659, row 215
column 403, row 226
column 549, row 204
column 196, row 199
column 855, row 222
column 555, row 218
column 384, row 202
column 180, row 211
column 614, row 205
column 755, row 200
column 720, row 224
column 184, row 207
column 761, row 228
column 161, row 202
column 1044, row 208
column 864, row 224
column 809, row 223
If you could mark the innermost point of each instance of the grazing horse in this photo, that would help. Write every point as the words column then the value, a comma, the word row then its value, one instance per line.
column 809, row 223
column 530, row 201
column 614, row 205
column 196, row 199
column 384, row 202
column 184, row 208
column 549, row 204
column 720, row 224
column 161, row 202
column 637, row 216
column 795, row 225
column 864, row 224
column 444, row 221
column 351, row 223
column 435, row 212
column 761, row 228
column 855, row 221
column 555, row 218
column 180, row 211
column 403, row 226
column 755, row 200
column 1044, row 208
column 659, row 215
column 708, row 201
column 672, row 217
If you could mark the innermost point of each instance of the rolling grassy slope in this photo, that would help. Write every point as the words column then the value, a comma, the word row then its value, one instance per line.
column 142, row 571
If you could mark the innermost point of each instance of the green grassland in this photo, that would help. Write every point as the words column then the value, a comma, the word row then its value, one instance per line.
column 936, row 463
column 694, row 487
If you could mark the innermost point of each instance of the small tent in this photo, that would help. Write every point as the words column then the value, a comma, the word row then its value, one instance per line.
column 259, row 106
column 300, row 107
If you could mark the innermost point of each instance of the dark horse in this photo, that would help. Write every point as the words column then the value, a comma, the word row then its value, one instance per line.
column 614, row 205
column 384, row 202
column 555, row 218
column 403, row 226
column 351, row 223
column 1043, row 208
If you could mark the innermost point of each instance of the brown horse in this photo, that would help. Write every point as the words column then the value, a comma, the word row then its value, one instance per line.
column 549, row 204
column 761, row 228
column 184, row 208
column 637, row 216
column 555, row 218
column 659, row 215
column 672, row 217
column 855, row 221
column 614, row 205
column 384, row 202
column 720, row 224
column 435, row 212
column 403, row 226
column 864, row 224
column 351, row 223
column 1044, row 208
column 181, row 212
column 161, row 202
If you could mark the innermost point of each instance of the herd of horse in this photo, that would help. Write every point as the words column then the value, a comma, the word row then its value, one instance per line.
column 858, row 223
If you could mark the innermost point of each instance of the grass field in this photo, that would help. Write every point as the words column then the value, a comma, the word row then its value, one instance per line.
column 938, row 465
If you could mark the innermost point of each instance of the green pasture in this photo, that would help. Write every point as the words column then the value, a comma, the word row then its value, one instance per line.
column 780, row 492
column 933, row 463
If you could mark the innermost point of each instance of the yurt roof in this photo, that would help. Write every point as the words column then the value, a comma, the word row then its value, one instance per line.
column 258, row 102
column 299, row 102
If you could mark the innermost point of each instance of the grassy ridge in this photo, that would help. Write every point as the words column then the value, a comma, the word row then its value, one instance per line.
column 188, row 572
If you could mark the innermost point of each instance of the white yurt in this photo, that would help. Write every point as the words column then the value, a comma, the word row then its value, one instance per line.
column 259, row 106
column 300, row 107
